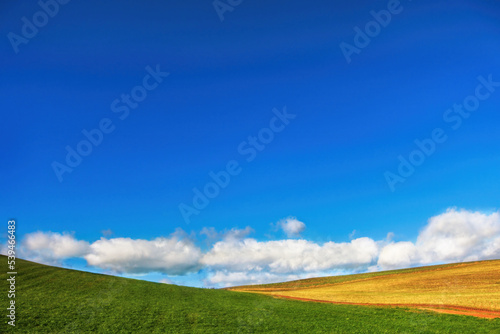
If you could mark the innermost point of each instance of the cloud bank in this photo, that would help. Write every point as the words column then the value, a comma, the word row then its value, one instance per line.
column 234, row 258
column 289, row 256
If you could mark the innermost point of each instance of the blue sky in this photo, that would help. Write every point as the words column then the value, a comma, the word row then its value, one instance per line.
column 326, row 168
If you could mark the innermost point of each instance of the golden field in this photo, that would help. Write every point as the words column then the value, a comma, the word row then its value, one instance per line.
column 468, row 285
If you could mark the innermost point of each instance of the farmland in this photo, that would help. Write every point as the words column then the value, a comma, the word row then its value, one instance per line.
column 56, row 300
column 471, row 288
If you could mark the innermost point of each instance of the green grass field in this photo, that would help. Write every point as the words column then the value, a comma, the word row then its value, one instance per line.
column 55, row 300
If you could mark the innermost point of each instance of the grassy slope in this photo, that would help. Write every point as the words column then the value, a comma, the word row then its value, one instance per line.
column 52, row 300
column 472, row 284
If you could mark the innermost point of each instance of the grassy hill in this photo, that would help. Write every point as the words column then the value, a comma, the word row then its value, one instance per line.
column 56, row 300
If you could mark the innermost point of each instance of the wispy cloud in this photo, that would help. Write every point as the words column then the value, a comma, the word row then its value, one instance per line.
column 291, row 226
column 233, row 234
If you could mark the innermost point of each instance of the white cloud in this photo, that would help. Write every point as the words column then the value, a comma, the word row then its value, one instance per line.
column 398, row 255
column 49, row 247
column 454, row 236
column 172, row 256
column 291, row 226
column 459, row 236
column 492, row 250
column 289, row 256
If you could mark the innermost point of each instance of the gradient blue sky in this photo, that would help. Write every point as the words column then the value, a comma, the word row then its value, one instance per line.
column 326, row 168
